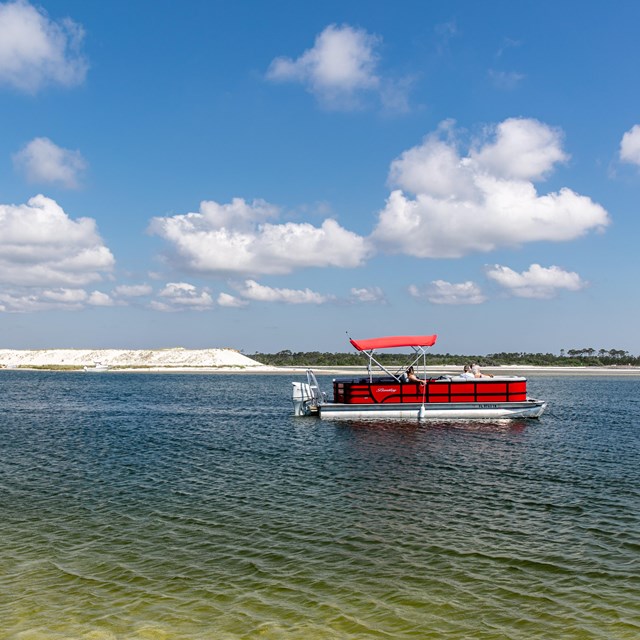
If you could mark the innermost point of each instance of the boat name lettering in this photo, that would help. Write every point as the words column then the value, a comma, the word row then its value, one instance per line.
column 385, row 389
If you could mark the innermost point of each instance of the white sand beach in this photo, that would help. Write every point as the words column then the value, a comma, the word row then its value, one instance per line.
column 229, row 360
column 123, row 359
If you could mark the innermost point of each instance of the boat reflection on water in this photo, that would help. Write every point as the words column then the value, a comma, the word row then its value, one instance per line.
column 506, row 425
column 399, row 453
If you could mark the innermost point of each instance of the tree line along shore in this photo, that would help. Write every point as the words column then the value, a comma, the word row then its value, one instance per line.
column 569, row 358
column 228, row 359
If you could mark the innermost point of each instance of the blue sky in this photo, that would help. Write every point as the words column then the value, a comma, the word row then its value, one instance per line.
column 270, row 175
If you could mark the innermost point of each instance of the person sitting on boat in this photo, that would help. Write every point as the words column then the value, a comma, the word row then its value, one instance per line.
column 477, row 374
column 412, row 377
column 467, row 373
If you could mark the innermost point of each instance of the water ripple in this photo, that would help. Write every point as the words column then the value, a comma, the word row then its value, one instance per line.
column 159, row 507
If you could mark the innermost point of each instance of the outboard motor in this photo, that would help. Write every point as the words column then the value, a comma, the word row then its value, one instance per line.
column 302, row 398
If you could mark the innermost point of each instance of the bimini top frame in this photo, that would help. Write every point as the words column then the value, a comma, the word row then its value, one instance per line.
column 417, row 343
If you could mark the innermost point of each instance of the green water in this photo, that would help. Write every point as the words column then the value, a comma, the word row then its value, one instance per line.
column 192, row 506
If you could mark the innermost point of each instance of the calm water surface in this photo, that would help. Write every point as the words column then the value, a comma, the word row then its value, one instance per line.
column 195, row 506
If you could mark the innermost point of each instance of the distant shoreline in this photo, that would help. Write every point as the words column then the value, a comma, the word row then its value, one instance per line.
column 226, row 360
column 260, row 369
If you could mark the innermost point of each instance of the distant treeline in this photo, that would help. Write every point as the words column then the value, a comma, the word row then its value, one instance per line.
column 569, row 358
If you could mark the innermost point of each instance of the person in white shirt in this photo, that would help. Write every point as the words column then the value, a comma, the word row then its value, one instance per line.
column 467, row 373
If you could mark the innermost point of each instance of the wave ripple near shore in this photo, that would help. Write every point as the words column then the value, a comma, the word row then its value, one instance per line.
column 169, row 507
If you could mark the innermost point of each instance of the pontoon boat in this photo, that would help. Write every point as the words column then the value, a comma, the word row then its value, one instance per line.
column 390, row 394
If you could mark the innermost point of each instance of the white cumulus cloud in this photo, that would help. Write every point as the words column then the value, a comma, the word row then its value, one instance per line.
column 630, row 145
column 367, row 294
column 251, row 290
column 40, row 245
column 178, row 296
column 34, row 299
column 522, row 149
column 537, row 281
column 442, row 292
column 67, row 296
column 341, row 64
column 236, row 238
column 42, row 161
column 100, row 299
column 448, row 204
column 23, row 300
column 133, row 290
column 36, row 51
column 227, row 300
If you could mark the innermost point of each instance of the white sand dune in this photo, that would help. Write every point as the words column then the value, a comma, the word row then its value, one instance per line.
column 139, row 358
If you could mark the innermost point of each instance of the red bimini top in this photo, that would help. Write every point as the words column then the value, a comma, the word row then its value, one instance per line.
column 393, row 341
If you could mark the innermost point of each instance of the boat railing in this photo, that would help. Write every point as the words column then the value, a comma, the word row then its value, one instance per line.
column 400, row 373
column 318, row 396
